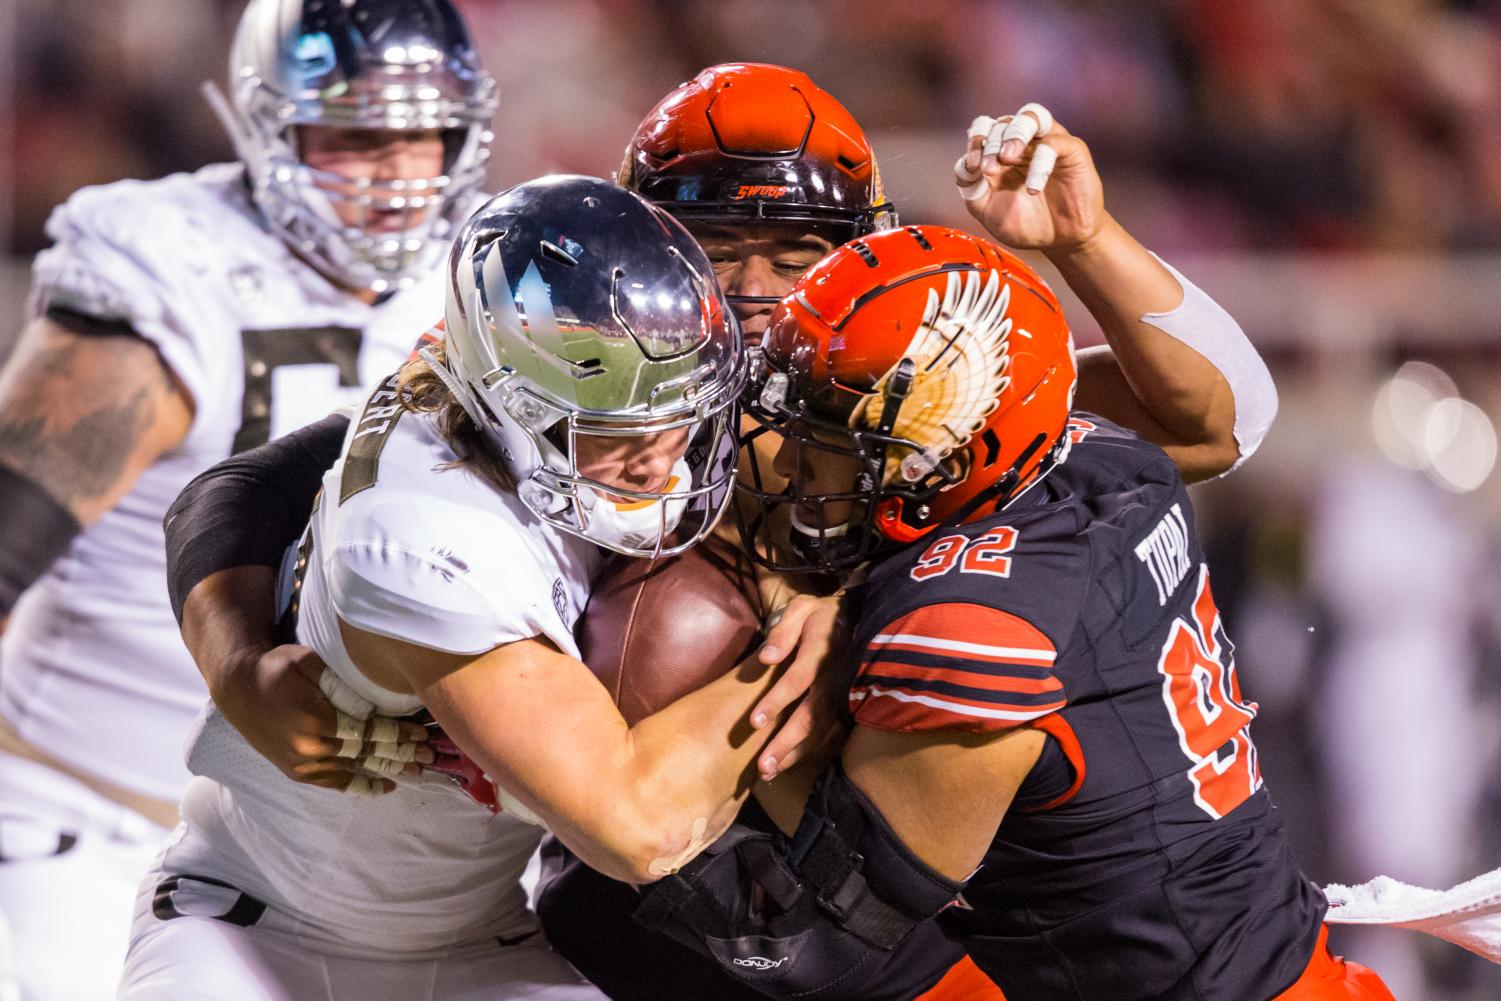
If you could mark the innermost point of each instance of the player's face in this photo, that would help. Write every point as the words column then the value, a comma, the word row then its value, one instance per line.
column 813, row 471
column 375, row 156
column 762, row 261
column 638, row 462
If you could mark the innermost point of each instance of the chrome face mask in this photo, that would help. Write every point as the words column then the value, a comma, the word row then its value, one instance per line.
column 403, row 65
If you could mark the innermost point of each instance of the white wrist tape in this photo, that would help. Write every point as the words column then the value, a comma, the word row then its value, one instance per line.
column 1203, row 325
column 390, row 750
column 344, row 698
column 1031, row 121
column 386, row 767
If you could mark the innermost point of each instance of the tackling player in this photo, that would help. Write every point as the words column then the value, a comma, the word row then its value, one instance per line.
column 1051, row 751
column 177, row 321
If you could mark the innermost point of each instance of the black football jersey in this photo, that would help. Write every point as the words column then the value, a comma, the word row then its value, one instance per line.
column 1142, row 857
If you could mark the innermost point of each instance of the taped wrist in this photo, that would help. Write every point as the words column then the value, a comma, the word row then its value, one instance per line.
column 1205, row 326
column 806, row 917
column 248, row 509
column 34, row 531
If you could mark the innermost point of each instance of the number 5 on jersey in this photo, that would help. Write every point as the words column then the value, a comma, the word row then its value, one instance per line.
column 1203, row 698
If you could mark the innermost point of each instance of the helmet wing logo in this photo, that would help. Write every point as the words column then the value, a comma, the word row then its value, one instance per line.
column 962, row 362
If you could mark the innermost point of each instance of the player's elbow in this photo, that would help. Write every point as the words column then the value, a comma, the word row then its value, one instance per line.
column 1207, row 459
column 629, row 855
column 651, row 837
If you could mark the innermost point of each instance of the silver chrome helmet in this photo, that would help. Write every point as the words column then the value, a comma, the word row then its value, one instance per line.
column 370, row 64
column 576, row 311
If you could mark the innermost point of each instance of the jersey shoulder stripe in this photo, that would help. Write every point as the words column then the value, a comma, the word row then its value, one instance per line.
column 959, row 666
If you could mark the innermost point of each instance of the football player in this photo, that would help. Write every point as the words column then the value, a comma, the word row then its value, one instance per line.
column 582, row 400
column 1050, row 748
column 767, row 205
column 176, row 321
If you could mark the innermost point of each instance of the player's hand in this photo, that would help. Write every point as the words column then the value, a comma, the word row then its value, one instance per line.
column 1031, row 184
column 816, row 633
column 279, row 706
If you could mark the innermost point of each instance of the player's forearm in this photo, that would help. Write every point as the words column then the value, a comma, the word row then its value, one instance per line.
column 1120, row 282
column 631, row 803
column 691, row 768
column 228, row 622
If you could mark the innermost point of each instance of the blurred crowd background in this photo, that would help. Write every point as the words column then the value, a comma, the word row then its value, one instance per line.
column 1330, row 170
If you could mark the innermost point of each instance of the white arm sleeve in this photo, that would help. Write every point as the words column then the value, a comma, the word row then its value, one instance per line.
column 1203, row 325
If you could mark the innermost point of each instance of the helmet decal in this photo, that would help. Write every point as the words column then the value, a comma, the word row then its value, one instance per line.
column 961, row 357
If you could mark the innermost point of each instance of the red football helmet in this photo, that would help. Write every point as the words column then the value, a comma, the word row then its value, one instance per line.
column 938, row 361
column 750, row 141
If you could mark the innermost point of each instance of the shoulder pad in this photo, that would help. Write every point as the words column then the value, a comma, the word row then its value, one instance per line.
column 142, row 253
column 964, row 632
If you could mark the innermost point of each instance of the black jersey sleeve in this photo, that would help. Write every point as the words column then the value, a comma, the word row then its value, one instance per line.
column 966, row 633
column 248, row 509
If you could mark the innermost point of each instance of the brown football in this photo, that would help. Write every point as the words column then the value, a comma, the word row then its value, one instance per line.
column 655, row 630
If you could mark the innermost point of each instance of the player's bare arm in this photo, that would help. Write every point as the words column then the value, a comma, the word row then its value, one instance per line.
column 944, row 793
column 1035, row 186
column 85, row 407
column 636, row 803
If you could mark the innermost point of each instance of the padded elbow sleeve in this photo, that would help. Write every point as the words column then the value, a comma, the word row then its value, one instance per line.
column 806, row 918
column 1205, row 326
column 248, row 509
column 34, row 531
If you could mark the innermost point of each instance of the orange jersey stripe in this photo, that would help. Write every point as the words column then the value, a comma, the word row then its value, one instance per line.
column 979, row 630
column 957, row 674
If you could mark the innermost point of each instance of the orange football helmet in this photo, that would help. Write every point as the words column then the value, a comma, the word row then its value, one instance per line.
column 939, row 361
column 751, row 141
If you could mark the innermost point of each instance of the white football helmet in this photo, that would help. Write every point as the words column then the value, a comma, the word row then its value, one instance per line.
column 578, row 310
column 374, row 64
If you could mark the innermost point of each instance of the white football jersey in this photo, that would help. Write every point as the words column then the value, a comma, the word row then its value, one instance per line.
column 403, row 544
column 91, row 665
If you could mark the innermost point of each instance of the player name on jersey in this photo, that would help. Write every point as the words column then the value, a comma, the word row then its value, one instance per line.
column 1165, row 553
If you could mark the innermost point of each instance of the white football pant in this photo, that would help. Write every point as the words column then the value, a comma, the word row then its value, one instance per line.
column 273, row 958
column 71, row 864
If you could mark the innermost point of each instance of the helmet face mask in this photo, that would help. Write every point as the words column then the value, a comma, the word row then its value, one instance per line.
column 901, row 399
column 579, row 313
column 402, row 66
column 826, row 516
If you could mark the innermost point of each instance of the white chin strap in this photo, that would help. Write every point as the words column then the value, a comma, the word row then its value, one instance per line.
column 637, row 524
column 812, row 531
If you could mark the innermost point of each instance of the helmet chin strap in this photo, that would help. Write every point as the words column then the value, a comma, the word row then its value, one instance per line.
column 813, row 532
